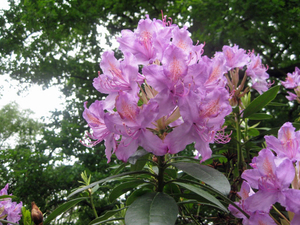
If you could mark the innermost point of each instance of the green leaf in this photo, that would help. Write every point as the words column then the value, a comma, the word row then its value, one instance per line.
column 260, row 116
column 203, row 194
column 277, row 104
column 6, row 196
column 6, row 222
column 210, row 176
column 137, row 155
column 136, row 194
column 109, row 220
column 191, row 197
column 62, row 208
column 197, row 202
column 106, row 216
column 152, row 209
column 261, row 101
column 107, row 179
column 123, row 188
column 138, row 161
column 253, row 132
column 26, row 216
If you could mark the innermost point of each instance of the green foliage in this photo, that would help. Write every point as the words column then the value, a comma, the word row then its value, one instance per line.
column 64, row 207
column 17, row 126
column 26, row 216
column 203, row 194
column 152, row 208
column 205, row 174
column 260, row 102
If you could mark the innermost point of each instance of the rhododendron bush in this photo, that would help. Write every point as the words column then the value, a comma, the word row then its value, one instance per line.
column 168, row 108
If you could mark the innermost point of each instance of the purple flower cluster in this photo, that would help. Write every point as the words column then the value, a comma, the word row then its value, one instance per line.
column 164, row 95
column 293, row 82
column 272, row 176
column 11, row 211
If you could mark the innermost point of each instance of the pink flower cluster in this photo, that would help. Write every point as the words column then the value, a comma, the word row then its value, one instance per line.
column 293, row 82
column 272, row 176
column 9, row 210
column 164, row 95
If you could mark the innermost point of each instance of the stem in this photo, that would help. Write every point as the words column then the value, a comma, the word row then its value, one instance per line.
column 238, row 136
column 274, row 219
column 160, row 177
column 281, row 214
column 246, row 139
column 192, row 217
column 92, row 204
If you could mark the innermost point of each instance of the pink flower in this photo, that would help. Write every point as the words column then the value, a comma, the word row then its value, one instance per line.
column 288, row 143
column 94, row 115
column 155, row 110
column 272, row 177
column 133, row 123
column 256, row 217
column 235, row 57
column 148, row 41
column 292, row 80
column 12, row 210
column 257, row 71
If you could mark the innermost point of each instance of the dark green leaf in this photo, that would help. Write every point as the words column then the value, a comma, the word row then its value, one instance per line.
column 109, row 220
column 123, row 188
column 137, row 193
column 277, row 104
column 152, row 209
column 260, row 116
column 203, row 194
column 261, row 101
column 107, row 179
column 206, row 174
column 106, row 216
column 62, row 208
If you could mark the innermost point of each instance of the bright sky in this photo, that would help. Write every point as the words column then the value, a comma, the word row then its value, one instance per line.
column 35, row 98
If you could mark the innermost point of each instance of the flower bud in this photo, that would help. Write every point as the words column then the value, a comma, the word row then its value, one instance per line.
column 36, row 214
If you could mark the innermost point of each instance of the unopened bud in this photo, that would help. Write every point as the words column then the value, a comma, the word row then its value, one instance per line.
column 36, row 214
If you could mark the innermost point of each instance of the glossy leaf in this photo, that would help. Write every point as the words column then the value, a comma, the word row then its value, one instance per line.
column 210, row 176
column 261, row 101
column 203, row 194
column 107, row 179
column 277, row 104
column 152, row 209
column 123, row 188
column 260, row 116
column 136, row 194
column 62, row 208
column 105, row 217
